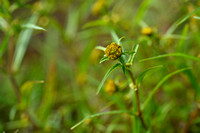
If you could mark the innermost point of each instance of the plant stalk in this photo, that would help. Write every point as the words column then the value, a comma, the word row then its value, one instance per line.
column 16, row 88
column 137, row 100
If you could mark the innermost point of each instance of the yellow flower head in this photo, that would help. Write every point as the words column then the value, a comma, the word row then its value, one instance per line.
column 97, row 7
column 113, row 51
column 110, row 87
column 147, row 31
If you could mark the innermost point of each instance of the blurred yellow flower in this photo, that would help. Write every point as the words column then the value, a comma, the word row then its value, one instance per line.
column 98, row 5
column 147, row 31
column 113, row 51
column 110, row 87
column 115, row 18
column 95, row 55
column 38, row 6
column 106, row 18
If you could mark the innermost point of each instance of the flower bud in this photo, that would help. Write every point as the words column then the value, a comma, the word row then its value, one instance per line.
column 113, row 51
column 147, row 31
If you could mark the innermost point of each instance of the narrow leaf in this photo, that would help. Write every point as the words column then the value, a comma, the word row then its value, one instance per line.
column 104, row 59
column 22, row 44
column 123, row 64
column 32, row 26
column 4, row 44
column 128, row 52
column 132, row 57
column 196, row 17
column 172, row 54
column 106, row 76
column 99, row 114
column 114, row 36
column 143, row 74
column 100, row 48
column 159, row 84
column 142, row 10
column 181, row 42
column 119, row 41
column 94, row 23
column 187, row 16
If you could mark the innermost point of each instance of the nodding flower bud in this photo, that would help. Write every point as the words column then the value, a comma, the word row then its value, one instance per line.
column 113, row 51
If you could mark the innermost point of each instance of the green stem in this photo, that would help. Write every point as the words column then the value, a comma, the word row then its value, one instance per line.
column 16, row 88
column 137, row 99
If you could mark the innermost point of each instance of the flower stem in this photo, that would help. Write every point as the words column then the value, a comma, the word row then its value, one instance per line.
column 137, row 99
column 16, row 88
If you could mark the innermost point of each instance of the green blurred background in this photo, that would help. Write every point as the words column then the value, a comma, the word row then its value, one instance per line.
column 50, row 71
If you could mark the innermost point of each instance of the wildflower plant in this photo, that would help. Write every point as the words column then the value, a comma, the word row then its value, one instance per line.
column 116, row 52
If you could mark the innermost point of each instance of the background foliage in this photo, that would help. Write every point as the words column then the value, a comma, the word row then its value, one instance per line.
column 50, row 71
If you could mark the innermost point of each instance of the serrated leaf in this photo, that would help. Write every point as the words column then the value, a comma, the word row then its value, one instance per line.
column 32, row 26
column 102, row 113
column 159, row 84
column 172, row 54
column 104, row 59
column 106, row 76
column 143, row 74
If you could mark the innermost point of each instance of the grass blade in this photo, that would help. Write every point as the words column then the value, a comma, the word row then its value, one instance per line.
column 142, row 75
column 141, row 11
column 99, row 114
column 160, row 83
column 32, row 26
column 22, row 44
column 187, row 16
column 196, row 17
column 192, row 78
column 4, row 45
column 106, row 76
column 181, row 42
column 172, row 54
